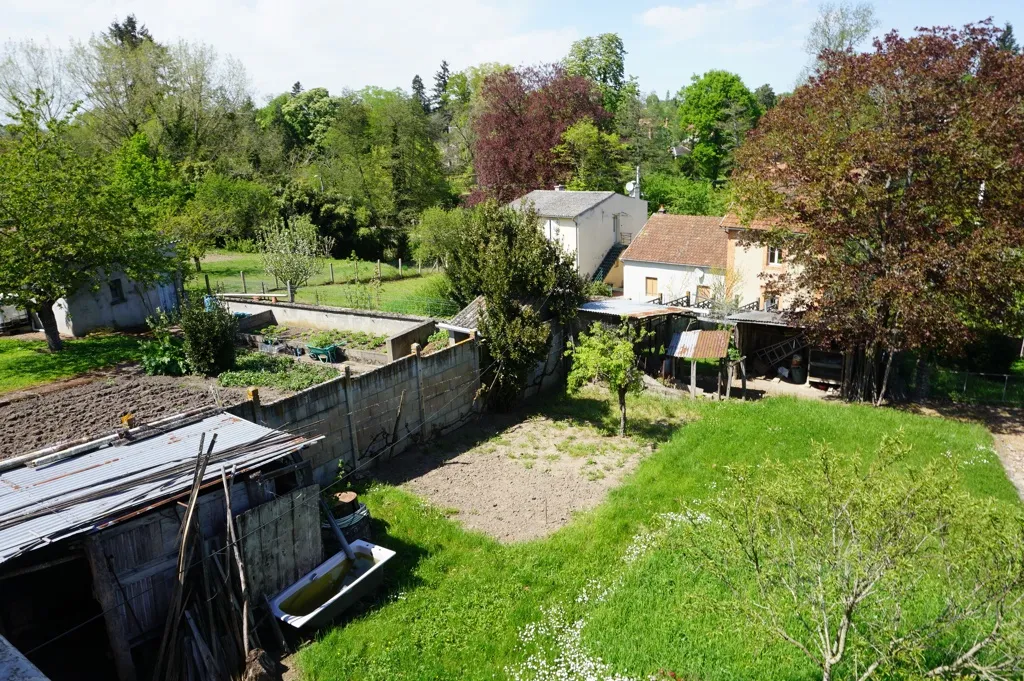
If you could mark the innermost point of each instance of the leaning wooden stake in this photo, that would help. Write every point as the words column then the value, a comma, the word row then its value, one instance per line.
column 238, row 559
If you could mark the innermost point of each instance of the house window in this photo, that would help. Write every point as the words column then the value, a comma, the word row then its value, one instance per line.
column 774, row 256
column 771, row 303
column 703, row 292
column 116, row 292
column 651, row 284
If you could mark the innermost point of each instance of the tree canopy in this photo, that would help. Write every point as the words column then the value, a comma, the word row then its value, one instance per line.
column 901, row 169
column 716, row 112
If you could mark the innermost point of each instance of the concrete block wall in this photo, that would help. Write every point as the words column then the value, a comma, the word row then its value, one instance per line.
column 402, row 330
column 439, row 394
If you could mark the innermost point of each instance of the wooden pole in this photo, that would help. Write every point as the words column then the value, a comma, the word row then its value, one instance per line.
column 693, row 378
column 332, row 272
column 743, row 373
column 399, row 268
column 236, row 549
column 244, row 289
column 209, row 291
column 378, row 268
column 263, row 288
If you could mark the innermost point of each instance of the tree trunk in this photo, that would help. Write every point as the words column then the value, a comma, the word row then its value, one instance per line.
column 885, row 378
column 49, row 321
column 199, row 265
column 622, row 412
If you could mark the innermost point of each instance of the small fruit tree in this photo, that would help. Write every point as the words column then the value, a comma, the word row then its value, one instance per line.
column 608, row 355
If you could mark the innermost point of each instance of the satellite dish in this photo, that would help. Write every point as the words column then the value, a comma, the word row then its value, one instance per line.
column 699, row 272
column 629, row 186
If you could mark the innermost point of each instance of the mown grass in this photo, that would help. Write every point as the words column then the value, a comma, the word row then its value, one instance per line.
column 24, row 364
column 455, row 602
column 407, row 292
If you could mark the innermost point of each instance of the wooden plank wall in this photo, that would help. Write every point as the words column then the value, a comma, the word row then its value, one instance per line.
column 281, row 540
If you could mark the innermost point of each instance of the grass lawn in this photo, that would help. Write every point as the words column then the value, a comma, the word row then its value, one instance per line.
column 408, row 294
column 459, row 605
column 27, row 363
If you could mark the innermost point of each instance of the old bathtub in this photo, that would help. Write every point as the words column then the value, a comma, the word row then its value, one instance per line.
column 332, row 587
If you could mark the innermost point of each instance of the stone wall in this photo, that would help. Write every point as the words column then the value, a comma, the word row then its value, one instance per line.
column 367, row 419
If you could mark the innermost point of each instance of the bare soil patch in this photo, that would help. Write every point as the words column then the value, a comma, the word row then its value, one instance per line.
column 1006, row 425
column 517, row 479
column 92, row 405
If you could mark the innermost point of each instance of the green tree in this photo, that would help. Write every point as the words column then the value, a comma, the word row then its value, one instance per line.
column 602, row 60
column 419, row 94
column 839, row 26
column 309, row 115
column 525, row 279
column 684, row 196
column 867, row 569
column 610, row 356
column 63, row 223
column 716, row 111
column 220, row 207
column 294, row 251
column 766, row 97
column 436, row 236
column 1006, row 40
column 596, row 159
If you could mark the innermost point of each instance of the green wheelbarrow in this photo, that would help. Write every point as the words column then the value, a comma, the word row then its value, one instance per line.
column 327, row 355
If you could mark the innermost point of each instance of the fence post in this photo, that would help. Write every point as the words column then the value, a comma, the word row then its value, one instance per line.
column 351, row 416
column 399, row 268
column 419, row 391
column 419, row 267
column 209, row 291
column 332, row 272
column 277, row 284
column 244, row 289
column 263, row 287
column 1006, row 383
column 291, row 293
column 378, row 268
column 966, row 374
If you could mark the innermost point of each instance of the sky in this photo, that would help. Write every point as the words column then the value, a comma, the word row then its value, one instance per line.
column 341, row 44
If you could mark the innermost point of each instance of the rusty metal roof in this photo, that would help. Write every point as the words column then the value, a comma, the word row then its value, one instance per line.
column 699, row 345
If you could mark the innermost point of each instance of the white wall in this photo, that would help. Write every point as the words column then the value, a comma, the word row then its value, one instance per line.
column 592, row 233
column 88, row 310
column 674, row 281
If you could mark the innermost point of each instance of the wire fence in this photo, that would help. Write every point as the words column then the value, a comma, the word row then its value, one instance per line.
column 388, row 287
column 970, row 386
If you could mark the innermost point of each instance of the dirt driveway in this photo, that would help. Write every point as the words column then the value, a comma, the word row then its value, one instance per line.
column 1006, row 425
column 514, row 478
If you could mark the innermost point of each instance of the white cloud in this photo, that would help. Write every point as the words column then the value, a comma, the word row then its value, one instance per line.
column 336, row 44
column 679, row 23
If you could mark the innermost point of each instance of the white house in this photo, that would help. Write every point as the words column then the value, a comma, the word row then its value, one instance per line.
column 594, row 226
column 675, row 255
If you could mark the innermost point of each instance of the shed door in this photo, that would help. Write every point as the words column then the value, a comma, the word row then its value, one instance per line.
column 651, row 286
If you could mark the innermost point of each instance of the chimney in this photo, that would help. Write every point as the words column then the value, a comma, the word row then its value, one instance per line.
column 559, row 187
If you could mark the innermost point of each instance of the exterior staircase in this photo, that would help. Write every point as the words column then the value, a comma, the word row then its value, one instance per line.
column 609, row 260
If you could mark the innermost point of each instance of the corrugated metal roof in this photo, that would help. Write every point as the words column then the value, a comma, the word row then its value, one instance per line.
column 561, row 204
column 762, row 317
column 699, row 345
column 623, row 307
column 48, row 503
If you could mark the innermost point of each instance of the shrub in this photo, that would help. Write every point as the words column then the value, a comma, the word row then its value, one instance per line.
column 209, row 330
column 272, row 334
column 165, row 355
column 358, row 340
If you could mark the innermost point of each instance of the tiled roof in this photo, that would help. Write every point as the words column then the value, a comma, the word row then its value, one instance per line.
column 561, row 204
column 732, row 221
column 680, row 240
